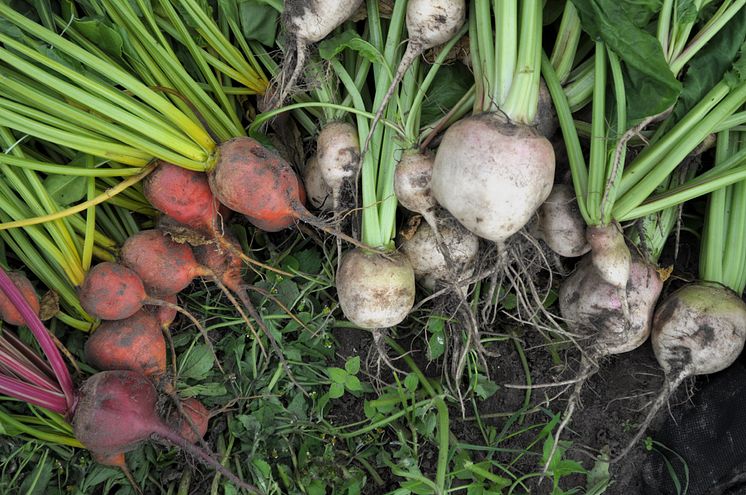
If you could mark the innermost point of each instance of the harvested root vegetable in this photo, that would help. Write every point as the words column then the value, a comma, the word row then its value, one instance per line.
column 112, row 291
column 428, row 262
column 308, row 22
column 429, row 23
column 338, row 154
column 609, row 253
column 698, row 330
column 165, row 266
column 276, row 201
column 375, row 291
column 8, row 313
column 319, row 192
column 492, row 174
column 412, row 178
column 185, row 196
column 111, row 399
column 615, row 320
column 135, row 343
column 198, row 415
column 560, row 224
column 595, row 307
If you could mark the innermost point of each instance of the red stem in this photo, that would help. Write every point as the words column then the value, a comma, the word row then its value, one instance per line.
column 22, row 370
column 33, row 394
column 42, row 336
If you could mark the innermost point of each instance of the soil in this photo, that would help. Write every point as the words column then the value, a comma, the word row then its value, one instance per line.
column 614, row 401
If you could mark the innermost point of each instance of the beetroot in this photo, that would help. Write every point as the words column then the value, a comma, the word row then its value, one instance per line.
column 112, row 292
column 135, row 343
column 165, row 266
column 8, row 313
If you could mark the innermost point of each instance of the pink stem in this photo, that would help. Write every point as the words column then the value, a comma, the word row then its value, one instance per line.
column 31, row 375
column 36, row 360
column 41, row 333
column 32, row 394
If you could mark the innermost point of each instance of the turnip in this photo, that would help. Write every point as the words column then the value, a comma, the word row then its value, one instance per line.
column 307, row 22
column 697, row 330
column 493, row 169
column 428, row 262
column 8, row 312
column 560, row 224
column 609, row 253
column 615, row 321
column 412, row 179
column 429, row 23
column 318, row 191
column 375, row 291
column 338, row 155
column 492, row 174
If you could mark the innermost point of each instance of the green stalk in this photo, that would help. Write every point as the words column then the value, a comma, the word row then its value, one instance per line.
column 57, row 169
column 90, row 218
column 164, row 108
column 566, row 44
column 505, row 53
column 597, row 158
column 677, row 151
column 713, row 237
column 523, row 99
column 576, row 160
column 713, row 26
column 618, row 156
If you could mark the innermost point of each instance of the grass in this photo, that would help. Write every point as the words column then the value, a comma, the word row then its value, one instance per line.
column 351, row 430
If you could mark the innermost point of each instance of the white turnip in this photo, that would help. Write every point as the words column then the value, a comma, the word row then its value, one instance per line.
column 698, row 330
column 560, row 224
column 492, row 174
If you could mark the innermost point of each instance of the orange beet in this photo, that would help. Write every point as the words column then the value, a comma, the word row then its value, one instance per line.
column 198, row 414
column 135, row 343
column 253, row 180
column 184, row 195
column 8, row 313
column 165, row 266
column 111, row 291
column 225, row 265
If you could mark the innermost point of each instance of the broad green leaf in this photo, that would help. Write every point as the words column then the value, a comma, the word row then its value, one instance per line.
column 330, row 48
column 66, row 189
column 436, row 346
column 650, row 85
column 686, row 11
column 710, row 64
column 448, row 87
column 353, row 384
column 337, row 375
column 97, row 30
column 263, row 467
column 36, row 482
column 336, row 390
column 258, row 21
column 309, row 260
column 197, row 363
column 353, row 365
column 411, row 382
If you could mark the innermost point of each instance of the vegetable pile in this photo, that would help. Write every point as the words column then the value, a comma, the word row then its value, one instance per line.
column 457, row 180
